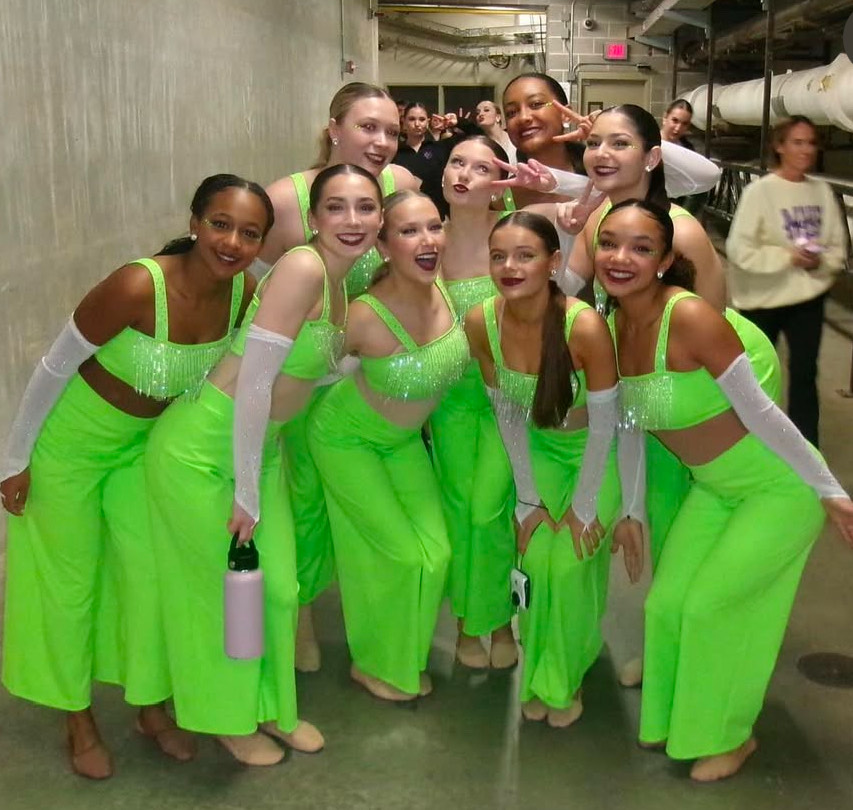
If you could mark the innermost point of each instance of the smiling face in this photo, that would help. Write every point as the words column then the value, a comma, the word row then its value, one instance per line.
column 487, row 114
column 615, row 158
column 532, row 121
column 519, row 262
column 230, row 231
column 413, row 239
column 367, row 135
column 469, row 173
column 630, row 252
column 798, row 152
column 676, row 123
column 348, row 216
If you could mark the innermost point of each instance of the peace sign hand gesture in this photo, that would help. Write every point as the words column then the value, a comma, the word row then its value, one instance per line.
column 583, row 124
column 533, row 175
column 572, row 216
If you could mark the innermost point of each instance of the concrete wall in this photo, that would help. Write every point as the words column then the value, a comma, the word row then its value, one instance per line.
column 113, row 112
column 569, row 46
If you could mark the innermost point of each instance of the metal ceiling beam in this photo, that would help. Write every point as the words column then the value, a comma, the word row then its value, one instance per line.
column 422, row 25
column 474, row 52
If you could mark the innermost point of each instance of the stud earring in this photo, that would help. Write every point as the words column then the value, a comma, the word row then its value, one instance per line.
column 334, row 141
column 494, row 197
column 660, row 273
column 648, row 168
column 193, row 237
column 314, row 231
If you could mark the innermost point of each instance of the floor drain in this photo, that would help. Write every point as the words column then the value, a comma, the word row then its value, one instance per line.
column 828, row 669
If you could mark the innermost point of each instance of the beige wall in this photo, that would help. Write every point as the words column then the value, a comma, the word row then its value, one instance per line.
column 112, row 113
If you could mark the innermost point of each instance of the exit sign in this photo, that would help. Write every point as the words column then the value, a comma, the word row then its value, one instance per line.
column 616, row 51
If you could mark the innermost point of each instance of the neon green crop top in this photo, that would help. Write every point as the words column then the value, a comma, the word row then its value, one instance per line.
column 516, row 386
column 318, row 344
column 675, row 212
column 667, row 400
column 156, row 367
column 361, row 274
column 421, row 372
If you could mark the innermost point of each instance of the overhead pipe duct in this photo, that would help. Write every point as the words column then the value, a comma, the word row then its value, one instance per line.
column 824, row 94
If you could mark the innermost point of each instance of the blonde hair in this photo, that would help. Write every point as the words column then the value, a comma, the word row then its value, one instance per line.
column 339, row 107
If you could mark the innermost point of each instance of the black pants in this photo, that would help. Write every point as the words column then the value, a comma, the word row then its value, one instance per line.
column 802, row 325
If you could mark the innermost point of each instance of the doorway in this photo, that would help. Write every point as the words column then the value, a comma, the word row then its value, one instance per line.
column 598, row 91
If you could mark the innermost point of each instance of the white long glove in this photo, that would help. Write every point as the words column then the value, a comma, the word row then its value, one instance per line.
column 51, row 375
column 761, row 416
column 513, row 429
column 263, row 357
column 601, row 410
column 686, row 172
column 631, row 457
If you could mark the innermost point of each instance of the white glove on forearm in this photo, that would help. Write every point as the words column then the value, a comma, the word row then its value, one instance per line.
column 263, row 357
column 631, row 457
column 761, row 416
column 51, row 375
column 601, row 408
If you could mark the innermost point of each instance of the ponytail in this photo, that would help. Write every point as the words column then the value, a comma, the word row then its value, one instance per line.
column 554, row 395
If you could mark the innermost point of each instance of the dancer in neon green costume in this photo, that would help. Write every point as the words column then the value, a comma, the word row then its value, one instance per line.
column 561, row 448
column 195, row 478
column 363, row 130
column 730, row 565
column 466, row 446
column 390, row 539
column 80, row 437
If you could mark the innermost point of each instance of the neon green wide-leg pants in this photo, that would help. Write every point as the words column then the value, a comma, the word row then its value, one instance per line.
column 720, row 600
column 315, row 559
column 668, row 480
column 189, row 469
column 388, row 530
column 561, row 631
column 477, row 496
column 87, row 497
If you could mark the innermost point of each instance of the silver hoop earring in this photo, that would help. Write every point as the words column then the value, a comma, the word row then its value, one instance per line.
column 193, row 237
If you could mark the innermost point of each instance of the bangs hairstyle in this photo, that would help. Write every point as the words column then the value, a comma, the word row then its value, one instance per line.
column 342, row 102
column 554, row 394
column 681, row 272
column 339, row 169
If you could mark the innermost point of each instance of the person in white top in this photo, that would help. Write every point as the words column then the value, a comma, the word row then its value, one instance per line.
column 490, row 120
column 785, row 247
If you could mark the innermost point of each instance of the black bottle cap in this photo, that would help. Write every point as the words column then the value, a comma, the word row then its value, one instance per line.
column 243, row 558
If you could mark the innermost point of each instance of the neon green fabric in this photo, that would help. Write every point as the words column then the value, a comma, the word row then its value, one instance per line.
column 468, row 292
column 318, row 343
column 155, row 366
column 390, row 540
column 315, row 558
column 516, row 386
column 422, row 371
column 361, row 274
column 561, row 632
column 477, row 498
column 189, row 470
column 720, row 600
column 87, row 493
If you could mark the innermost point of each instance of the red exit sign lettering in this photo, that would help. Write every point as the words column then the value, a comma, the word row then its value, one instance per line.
column 616, row 51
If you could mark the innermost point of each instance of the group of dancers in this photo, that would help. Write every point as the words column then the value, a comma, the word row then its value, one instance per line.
column 416, row 408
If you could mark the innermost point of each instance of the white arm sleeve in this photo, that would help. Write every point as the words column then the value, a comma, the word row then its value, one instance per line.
column 513, row 429
column 763, row 418
column 263, row 356
column 569, row 184
column 601, row 408
column 631, row 456
column 259, row 268
column 687, row 172
column 49, row 379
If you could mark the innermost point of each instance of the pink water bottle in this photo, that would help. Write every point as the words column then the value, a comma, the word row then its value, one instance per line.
column 244, row 602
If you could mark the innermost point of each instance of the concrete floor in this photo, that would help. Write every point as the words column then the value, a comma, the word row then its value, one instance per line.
column 466, row 747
